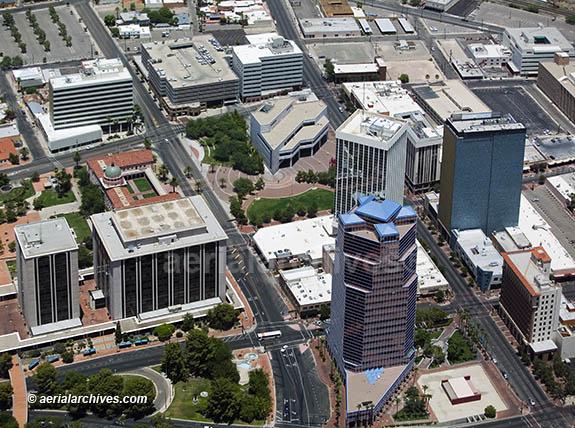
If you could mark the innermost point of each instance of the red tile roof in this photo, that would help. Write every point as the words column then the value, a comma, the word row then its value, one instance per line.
column 6, row 147
column 128, row 201
column 123, row 160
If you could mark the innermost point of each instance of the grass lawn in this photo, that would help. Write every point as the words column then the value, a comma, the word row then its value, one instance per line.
column 11, row 266
column 77, row 222
column 18, row 192
column 459, row 350
column 148, row 195
column 129, row 188
column 50, row 198
column 322, row 197
column 142, row 184
column 182, row 406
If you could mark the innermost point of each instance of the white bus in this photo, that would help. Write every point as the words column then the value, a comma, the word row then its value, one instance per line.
column 269, row 335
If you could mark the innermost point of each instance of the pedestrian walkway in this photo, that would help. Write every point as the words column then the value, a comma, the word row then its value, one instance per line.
column 20, row 407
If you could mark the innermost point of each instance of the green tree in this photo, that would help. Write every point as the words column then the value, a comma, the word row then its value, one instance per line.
column 147, row 143
column 48, row 421
column 188, row 322
column 312, row 209
column 404, row 78
column 118, row 336
column 5, row 395
column 243, row 187
column 115, row 32
column 77, row 158
column 490, row 412
column 45, row 378
column 223, row 401
column 138, row 386
column 260, row 184
column 105, row 383
column 68, row 357
column 222, row 316
column 570, row 19
column 324, row 311
column 236, row 209
column 46, row 44
column 7, row 420
column 164, row 331
column 174, row 363
column 174, row 182
column 110, row 20
column 24, row 152
column 329, row 68
column 13, row 158
column 5, row 364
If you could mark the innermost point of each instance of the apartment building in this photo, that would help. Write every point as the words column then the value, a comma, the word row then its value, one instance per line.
column 47, row 264
column 268, row 65
column 556, row 79
column 100, row 94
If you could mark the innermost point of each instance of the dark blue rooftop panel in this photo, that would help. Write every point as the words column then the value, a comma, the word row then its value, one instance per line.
column 406, row 212
column 349, row 219
column 383, row 211
column 386, row 229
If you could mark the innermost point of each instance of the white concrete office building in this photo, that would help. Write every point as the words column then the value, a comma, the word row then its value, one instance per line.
column 371, row 154
column 529, row 46
column 284, row 130
column 161, row 258
column 47, row 263
column 268, row 65
column 101, row 94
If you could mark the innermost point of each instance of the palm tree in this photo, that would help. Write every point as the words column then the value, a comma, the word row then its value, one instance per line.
column 147, row 143
column 188, row 171
column 163, row 172
column 129, row 121
column 198, row 186
column 212, row 165
column 397, row 401
column 24, row 152
column 109, row 120
column 357, row 418
column 77, row 158
column 174, row 183
column 222, row 182
column 425, row 388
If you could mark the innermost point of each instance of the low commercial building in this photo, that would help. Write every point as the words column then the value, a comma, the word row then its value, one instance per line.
column 47, row 264
column 440, row 5
column 359, row 72
column 157, row 259
column 334, row 8
column 267, row 66
column 554, row 150
column 480, row 256
column 440, row 100
column 307, row 288
column 385, row 26
column 557, row 80
column 489, row 55
column 284, row 130
column 530, row 300
column 134, row 31
column 387, row 98
column 293, row 244
column 460, row 390
column 67, row 138
column 30, row 77
column 188, row 76
column 100, row 94
column 562, row 187
column 530, row 46
column 430, row 280
column 320, row 28
column 132, row 17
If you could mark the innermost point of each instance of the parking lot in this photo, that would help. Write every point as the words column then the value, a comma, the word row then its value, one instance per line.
column 346, row 53
column 82, row 44
column 505, row 16
column 306, row 9
column 520, row 104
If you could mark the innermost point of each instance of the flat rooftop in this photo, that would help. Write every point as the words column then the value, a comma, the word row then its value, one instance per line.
column 91, row 72
column 524, row 264
column 470, row 123
column 157, row 227
column 539, row 39
column 45, row 237
column 448, row 97
column 267, row 45
column 480, row 250
column 300, row 237
column 539, row 232
column 373, row 128
column 429, row 277
column 564, row 184
column 284, row 124
column 486, row 51
column 382, row 97
column 561, row 148
column 308, row 286
column 331, row 25
column 184, row 64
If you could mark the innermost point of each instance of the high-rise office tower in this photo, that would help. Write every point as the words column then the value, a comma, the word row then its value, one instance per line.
column 374, row 292
column 152, row 259
column 370, row 156
column 481, row 172
column 47, row 263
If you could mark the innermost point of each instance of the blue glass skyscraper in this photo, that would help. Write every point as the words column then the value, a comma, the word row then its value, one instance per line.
column 481, row 172
column 374, row 292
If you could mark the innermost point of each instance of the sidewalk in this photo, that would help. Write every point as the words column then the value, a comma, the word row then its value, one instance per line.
column 20, row 407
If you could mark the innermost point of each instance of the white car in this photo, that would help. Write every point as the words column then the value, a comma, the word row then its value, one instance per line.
column 284, row 348
column 341, row 109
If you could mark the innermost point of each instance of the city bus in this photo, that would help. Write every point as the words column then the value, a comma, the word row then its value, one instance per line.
column 269, row 335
